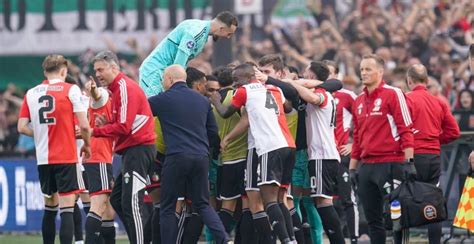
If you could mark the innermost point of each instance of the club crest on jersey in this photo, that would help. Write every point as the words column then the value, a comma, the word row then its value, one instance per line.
column 359, row 109
column 190, row 44
column 376, row 109
column 377, row 104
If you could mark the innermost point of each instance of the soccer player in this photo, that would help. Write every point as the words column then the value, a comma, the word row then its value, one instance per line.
column 185, row 42
column 274, row 144
column 383, row 143
column 132, row 128
column 100, row 219
column 346, row 200
column 233, row 160
column 213, row 85
column 273, row 66
column 50, row 108
column 322, row 150
column 433, row 125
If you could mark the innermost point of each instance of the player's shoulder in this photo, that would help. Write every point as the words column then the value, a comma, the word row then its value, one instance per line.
column 271, row 87
column 389, row 91
column 346, row 93
column 193, row 26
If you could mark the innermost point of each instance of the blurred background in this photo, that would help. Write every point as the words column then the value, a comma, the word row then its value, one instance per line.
column 436, row 33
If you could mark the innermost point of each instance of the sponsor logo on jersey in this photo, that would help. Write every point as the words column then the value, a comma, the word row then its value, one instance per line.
column 190, row 44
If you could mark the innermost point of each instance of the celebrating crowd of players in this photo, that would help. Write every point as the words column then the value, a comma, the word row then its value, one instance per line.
column 272, row 144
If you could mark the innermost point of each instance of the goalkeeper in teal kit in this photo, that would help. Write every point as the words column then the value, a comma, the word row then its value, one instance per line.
column 182, row 44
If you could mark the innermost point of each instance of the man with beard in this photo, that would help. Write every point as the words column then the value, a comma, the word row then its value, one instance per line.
column 182, row 44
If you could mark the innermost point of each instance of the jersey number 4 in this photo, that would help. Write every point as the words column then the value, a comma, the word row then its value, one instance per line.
column 48, row 107
column 270, row 103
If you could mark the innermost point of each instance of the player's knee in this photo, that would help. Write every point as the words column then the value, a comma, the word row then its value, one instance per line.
column 67, row 200
column 51, row 201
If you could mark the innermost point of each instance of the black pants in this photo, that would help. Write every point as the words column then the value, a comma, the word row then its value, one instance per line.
column 127, row 194
column 428, row 170
column 376, row 181
column 346, row 203
column 193, row 169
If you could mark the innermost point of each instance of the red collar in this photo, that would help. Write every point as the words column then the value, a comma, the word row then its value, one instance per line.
column 376, row 91
column 419, row 88
column 114, row 83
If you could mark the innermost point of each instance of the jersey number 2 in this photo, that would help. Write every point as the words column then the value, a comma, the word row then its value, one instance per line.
column 270, row 103
column 48, row 107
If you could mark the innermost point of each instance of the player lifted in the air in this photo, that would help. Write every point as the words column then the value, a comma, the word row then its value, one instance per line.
column 182, row 44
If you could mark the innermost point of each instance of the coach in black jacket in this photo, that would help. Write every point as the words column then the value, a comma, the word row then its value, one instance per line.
column 189, row 127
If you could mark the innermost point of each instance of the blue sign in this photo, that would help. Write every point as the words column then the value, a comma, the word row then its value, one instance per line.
column 21, row 200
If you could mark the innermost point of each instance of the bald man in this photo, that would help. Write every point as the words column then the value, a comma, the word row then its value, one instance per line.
column 433, row 124
column 189, row 128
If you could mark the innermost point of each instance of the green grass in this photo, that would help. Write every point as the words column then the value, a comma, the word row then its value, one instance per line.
column 33, row 239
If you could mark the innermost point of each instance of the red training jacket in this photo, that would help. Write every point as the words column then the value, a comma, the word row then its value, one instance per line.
column 344, row 102
column 433, row 122
column 382, row 125
column 132, row 122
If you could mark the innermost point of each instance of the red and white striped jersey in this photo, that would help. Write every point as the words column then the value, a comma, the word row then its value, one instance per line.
column 320, row 124
column 344, row 100
column 264, row 104
column 102, row 148
column 50, row 107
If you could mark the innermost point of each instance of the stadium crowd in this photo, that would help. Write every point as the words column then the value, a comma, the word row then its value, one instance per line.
column 403, row 33
column 380, row 50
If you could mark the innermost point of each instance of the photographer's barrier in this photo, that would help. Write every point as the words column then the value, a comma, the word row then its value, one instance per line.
column 21, row 200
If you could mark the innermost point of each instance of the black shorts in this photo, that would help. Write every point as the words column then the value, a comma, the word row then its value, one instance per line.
column 65, row 179
column 86, row 182
column 80, row 168
column 251, row 171
column 218, row 185
column 272, row 166
column 288, row 170
column 428, row 168
column 232, row 180
column 99, row 177
column 323, row 177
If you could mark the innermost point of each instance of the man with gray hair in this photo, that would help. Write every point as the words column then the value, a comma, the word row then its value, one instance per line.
column 433, row 124
column 132, row 127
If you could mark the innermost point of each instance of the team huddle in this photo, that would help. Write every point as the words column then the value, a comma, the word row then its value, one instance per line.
column 257, row 149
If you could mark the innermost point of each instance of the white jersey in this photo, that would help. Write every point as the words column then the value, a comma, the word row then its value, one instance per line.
column 250, row 140
column 264, row 105
column 50, row 107
column 320, row 125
